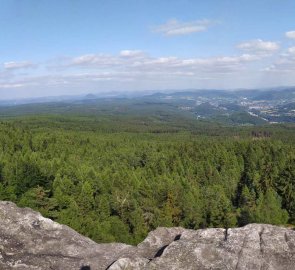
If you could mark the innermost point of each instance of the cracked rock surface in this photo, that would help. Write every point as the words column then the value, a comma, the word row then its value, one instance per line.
column 30, row 241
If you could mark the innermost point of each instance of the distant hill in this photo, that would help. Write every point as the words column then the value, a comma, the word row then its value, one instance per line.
column 239, row 107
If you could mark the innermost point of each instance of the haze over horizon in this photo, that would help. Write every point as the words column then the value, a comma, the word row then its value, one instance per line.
column 77, row 47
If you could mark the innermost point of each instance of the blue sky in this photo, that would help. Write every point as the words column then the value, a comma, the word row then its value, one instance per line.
column 75, row 47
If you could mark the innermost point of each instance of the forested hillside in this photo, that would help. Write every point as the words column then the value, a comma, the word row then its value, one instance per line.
column 115, row 180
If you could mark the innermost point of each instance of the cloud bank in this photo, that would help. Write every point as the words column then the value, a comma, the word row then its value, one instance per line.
column 256, row 63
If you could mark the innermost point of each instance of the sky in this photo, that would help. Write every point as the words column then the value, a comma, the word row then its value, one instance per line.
column 72, row 47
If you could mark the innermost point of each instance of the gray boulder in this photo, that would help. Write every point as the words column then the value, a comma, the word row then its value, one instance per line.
column 255, row 246
column 30, row 241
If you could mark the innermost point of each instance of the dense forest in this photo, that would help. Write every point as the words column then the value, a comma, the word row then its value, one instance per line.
column 116, row 179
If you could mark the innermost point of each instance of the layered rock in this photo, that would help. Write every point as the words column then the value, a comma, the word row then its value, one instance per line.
column 30, row 241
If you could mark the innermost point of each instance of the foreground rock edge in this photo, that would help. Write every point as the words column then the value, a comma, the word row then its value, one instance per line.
column 30, row 241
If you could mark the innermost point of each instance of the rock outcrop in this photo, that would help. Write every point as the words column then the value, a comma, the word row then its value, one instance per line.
column 30, row 241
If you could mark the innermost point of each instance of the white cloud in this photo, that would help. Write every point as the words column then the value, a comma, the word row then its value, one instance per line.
column 132, row 53
column 282, row 66
column 259, row 46
column 137, row 61
column 11, row 85
column 18, row 65
column 197, row 66
column 291, row 51
column 132, row 69
column 128, row 66
column 93, row 59
column 285, row 62
column 84, row 59
column 290, row 34
column 176, row 28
